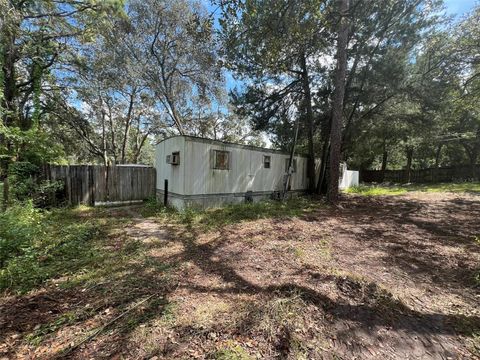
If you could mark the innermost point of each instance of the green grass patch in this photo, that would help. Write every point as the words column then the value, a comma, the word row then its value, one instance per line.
column 232, row 352
column 376, row 190
column 217, row 217
column 39, row 245
column 381, row 189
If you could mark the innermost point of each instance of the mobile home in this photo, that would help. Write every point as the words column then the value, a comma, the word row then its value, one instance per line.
column 208, row 173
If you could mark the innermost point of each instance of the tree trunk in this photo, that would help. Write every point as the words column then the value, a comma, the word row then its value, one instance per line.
column 472, row 153
column 139, row 147
column 437, row 155
column 408, row 169
column 104, row 141
column 126, row 130
column 7, row 105
column 322, row 177
column 309, row 121
column 339, row 93
column 384, row 160
column 473, row 163
column 322, row 185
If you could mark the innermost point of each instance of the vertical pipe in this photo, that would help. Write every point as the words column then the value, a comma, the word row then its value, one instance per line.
column 165, row 193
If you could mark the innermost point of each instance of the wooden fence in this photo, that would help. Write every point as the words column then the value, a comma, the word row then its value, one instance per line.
column 442, row 174
column 95, row 184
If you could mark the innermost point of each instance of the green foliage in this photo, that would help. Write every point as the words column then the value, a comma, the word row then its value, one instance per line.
column 35, row 37
column 49, row 193
column 217, row 217
column 38, row 245
column 152, row 207
column 376, row 190
column 33, row 145
column 19, row 225
column 23, row 179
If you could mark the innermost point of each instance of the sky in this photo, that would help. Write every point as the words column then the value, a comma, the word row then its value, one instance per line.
column 459, row 7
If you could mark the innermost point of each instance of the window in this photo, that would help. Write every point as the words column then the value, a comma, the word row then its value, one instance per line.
column 294, row 165
column 221, row 160
column 266, row 161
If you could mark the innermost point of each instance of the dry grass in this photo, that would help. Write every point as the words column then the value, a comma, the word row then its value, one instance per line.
column 370, row 279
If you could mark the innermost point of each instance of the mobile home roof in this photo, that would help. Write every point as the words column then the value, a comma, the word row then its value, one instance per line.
column 211, row 141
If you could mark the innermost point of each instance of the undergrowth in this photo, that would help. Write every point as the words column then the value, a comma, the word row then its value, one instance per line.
column 386, row 189
column 37, row 245
column 213, row 218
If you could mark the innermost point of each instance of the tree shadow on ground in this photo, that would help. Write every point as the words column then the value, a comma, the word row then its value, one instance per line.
column 358, row 306
column 415, row 235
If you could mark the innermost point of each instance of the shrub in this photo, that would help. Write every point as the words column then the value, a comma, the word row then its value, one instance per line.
column 20, row 226
column 22, row 178
column 49, row 193
column 25, row 185
column 36, row 245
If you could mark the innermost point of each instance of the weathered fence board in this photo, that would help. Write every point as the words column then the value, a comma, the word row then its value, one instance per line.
column 442, row 174
column 93, row 184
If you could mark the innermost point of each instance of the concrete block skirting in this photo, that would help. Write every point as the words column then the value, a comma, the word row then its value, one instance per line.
column 204, row 201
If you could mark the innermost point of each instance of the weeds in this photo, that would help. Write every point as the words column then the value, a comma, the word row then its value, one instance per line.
column 36, row 245
column 232, row 352
column 37, row 336
column 385, row 189
column 215, row 218
column 376, row 190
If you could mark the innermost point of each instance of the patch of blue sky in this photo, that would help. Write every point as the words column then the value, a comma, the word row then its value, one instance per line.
column 459, row 8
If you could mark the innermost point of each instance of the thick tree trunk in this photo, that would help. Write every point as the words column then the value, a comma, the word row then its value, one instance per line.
column 309, row 121
column 336, row 130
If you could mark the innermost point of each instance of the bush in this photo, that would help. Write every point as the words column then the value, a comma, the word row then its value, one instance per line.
column 25, row 185
column 20, row 226
column 22, row 177
column 36, row 245
column 49, row 193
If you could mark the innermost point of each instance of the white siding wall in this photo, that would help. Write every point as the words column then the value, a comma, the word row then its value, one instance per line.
column 195, row 174
column 173, row 173
column 246, row 172
column 349, row 179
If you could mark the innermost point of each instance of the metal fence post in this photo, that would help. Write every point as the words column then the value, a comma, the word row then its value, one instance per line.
column 165, row 193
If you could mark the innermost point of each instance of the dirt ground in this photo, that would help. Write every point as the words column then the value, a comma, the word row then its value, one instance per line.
column 376, row 278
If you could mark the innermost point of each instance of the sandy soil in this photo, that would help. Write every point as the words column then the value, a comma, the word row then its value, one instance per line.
column 375, row 278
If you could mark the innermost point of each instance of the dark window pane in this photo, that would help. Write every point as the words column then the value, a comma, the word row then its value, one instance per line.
column 221, row 160
column 266, row 162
